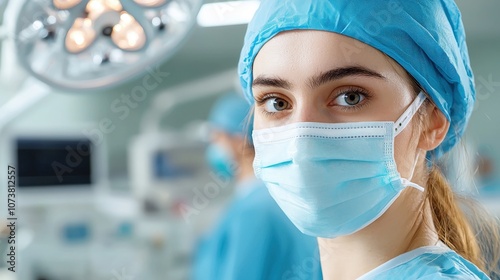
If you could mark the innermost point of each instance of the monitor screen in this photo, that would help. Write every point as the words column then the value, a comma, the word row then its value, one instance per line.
column 54, row 162
column 178, row 163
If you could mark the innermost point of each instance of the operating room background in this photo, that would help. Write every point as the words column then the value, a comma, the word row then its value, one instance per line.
column 214, row 49
column 210, row 50
column 207, row 51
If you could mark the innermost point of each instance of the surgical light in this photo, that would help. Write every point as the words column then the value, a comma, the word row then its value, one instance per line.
column 90, row 44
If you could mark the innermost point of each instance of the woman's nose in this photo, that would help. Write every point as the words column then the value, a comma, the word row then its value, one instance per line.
column 311, row 111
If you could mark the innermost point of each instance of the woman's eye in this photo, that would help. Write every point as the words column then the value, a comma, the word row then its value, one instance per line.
column 275, row 104
column 350, row 99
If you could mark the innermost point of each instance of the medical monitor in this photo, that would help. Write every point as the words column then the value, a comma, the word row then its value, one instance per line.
column 56, row 166
column 54, row 162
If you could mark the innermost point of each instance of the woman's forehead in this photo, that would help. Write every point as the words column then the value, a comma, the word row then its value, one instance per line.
column 313, row 51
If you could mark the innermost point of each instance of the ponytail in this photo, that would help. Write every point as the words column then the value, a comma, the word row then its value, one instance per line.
column 473, row 234
column 456, row 230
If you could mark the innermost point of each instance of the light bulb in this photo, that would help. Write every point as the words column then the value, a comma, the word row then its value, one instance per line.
column 98, row 7
column 65, row 4
column 80, row 35
column 126, row 18
column 114, row 4
column 95, row 7
column 128, row 34
column 150, row 3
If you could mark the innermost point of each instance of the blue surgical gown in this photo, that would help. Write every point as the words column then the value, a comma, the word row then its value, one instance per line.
column 256, row 241
column 427, row 263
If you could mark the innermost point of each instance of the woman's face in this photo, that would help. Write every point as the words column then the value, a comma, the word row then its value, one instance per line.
column 317, row 76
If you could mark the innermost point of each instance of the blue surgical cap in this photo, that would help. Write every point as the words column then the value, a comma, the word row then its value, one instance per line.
column 426, row 38
column 229, row 114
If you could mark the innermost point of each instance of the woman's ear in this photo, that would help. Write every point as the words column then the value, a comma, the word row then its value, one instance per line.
column 435, row 129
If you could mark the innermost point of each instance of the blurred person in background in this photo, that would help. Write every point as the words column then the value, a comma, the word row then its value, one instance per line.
column 254, row 240
column 462, row 169
column 487, row 181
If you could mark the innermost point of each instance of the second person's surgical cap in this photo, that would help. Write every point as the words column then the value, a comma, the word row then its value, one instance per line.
column 229, row 114
column 426, row 38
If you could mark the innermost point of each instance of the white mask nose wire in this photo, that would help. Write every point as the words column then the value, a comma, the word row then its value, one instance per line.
column 406, row 117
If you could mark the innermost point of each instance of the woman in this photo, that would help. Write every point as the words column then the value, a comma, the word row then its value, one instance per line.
column 354, row 101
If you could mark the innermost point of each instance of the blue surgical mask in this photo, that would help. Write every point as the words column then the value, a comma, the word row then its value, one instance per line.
column 332, row 179
column 220, row 160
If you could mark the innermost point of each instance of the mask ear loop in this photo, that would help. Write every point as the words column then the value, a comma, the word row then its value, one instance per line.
column 407, row 182
column 406, row 117
column 401, row 124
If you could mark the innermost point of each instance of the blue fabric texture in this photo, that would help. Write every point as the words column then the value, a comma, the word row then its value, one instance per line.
column 229, row 114
column 426, row 38
column 255, row 241
column 429, row 266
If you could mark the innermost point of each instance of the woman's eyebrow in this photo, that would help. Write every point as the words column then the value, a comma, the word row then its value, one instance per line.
column 342, row 72
column 271, row 82
column 330, row 75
